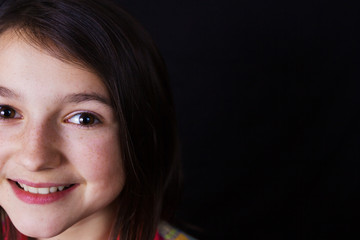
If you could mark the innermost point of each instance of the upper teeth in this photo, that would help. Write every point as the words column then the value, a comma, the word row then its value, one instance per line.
column 41, row 190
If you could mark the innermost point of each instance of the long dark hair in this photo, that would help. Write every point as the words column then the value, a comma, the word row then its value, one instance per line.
column 102, row 37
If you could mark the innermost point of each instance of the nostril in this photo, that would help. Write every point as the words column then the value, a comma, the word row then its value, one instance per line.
column 37, row 158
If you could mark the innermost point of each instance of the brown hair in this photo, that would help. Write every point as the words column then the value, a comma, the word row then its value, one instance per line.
column 102, row 37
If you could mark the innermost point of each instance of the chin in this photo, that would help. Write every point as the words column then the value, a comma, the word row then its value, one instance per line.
column 31, row 229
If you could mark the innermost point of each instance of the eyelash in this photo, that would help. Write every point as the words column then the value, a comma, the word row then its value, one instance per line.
column 94, row 119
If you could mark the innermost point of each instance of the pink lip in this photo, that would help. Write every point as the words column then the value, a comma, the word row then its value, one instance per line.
column 32, row 198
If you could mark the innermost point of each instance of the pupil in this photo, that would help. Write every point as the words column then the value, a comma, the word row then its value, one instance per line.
column 86, row 119
column 7, row 112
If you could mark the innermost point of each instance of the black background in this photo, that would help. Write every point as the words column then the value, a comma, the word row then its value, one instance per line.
column 266, row 95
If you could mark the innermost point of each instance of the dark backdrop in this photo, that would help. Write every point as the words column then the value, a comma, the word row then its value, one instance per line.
column 266, row 95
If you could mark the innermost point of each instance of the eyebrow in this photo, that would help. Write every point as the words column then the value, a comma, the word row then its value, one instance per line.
column 85, row 97
column 71, row 98
column 7, row 93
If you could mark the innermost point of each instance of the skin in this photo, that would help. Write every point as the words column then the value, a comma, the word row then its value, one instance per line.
column 45, row 143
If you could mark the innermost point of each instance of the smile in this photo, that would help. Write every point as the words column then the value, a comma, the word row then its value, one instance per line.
column 43, row 190
column 41, row 193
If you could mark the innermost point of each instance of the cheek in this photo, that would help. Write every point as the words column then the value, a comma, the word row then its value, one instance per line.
column 98, row 159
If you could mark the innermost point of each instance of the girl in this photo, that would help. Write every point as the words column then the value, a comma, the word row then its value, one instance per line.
column 88, row 147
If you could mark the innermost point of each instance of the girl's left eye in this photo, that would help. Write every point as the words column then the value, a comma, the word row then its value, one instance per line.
column 84, row 119
column 7, row 112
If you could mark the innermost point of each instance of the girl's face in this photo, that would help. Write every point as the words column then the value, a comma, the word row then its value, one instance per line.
column 60, row 163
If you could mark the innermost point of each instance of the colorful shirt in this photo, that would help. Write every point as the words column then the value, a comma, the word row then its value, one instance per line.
column 167, row 232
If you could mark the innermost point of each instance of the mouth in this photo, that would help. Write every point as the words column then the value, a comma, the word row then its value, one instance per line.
column 43, row 190
column 41, row 193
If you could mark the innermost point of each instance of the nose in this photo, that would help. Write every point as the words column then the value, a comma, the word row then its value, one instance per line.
column 39, row 148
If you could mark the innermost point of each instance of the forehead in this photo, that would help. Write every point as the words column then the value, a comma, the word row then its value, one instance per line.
column 23, row 63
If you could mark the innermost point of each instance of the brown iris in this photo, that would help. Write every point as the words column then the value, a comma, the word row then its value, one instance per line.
column 86, row 119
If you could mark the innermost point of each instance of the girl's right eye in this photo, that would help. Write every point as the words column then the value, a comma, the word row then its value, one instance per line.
column 7, row 112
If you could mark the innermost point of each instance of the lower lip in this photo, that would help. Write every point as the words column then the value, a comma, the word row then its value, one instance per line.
column 32, row 198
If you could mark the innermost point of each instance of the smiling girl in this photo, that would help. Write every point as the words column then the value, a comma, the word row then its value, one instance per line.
column 88, row 146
